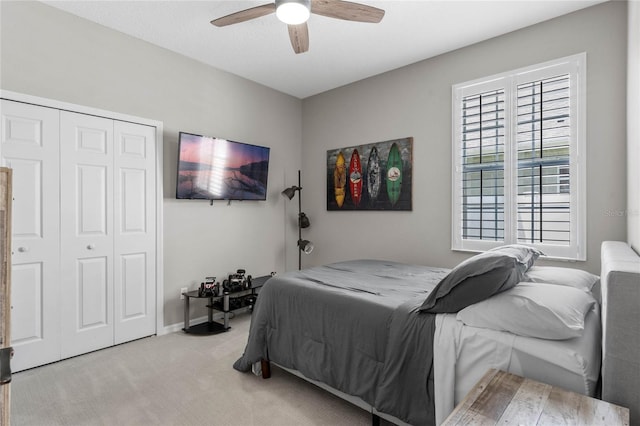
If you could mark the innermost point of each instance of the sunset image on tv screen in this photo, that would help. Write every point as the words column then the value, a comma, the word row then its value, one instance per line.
column 217, row 169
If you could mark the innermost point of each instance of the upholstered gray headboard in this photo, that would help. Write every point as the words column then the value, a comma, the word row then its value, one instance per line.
column 620, row 279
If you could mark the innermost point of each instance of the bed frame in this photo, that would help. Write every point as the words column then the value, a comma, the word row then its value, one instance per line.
column 620, row 280
column 376, row 415
column 620, row 286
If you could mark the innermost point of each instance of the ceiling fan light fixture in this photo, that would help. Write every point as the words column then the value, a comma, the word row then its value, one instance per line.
column 293, row 12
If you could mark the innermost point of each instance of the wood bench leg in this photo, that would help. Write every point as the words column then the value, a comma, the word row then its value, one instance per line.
column 265, row 365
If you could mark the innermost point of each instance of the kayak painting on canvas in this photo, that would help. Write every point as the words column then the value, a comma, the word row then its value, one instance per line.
column 375, row 176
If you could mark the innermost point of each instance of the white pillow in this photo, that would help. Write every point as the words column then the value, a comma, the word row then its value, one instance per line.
column 562, row 276
column 545, row 311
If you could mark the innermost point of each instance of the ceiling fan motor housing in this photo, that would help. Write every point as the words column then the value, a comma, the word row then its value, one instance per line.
column 293, row 12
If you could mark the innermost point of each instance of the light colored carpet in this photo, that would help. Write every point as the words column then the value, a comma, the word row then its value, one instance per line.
column 175, row 379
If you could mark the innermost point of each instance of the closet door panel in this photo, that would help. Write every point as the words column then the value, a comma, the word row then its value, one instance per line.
column 135, row 231
column 87, row 232
column 91, row 200
column 133, row 286
column 29, row 186
column 28, row 324
column 93, row 292
column 29, row 144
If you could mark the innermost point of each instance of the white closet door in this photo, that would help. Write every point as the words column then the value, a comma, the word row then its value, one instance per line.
column 135, row 231
column 86, row 151
column 29, row 145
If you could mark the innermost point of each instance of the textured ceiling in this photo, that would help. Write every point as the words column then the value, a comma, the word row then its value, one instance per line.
column 340, row 52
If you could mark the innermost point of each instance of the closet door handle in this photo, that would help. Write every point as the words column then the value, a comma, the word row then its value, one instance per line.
column 91, row 247
column 23, row 249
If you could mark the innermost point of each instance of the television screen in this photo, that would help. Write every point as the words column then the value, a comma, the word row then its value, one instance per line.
column 217, row 169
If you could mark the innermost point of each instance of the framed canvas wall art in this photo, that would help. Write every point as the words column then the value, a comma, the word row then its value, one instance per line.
column 376, row 176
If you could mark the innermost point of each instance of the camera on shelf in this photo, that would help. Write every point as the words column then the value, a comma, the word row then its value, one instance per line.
column 209, row 288
column 237, row 282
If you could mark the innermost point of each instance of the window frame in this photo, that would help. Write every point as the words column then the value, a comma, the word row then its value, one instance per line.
column 575, row 66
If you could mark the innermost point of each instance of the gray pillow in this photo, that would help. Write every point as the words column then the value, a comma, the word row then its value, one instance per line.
column 474, row 280
column 525, row 254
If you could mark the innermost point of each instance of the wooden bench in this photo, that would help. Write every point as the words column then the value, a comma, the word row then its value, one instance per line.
column 505, row 398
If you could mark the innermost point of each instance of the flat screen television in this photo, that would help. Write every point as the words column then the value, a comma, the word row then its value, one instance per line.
column 218, row 169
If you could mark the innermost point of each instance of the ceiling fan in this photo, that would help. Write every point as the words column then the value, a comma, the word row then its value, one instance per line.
column 295, row 13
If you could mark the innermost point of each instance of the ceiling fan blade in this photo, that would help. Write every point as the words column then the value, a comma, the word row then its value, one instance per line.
column 299, row 35
column 245, row 15
column 347, row 10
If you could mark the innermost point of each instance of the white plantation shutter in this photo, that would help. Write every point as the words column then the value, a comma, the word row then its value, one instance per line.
column 483, row 138
column 518, row 160
column 544, row 147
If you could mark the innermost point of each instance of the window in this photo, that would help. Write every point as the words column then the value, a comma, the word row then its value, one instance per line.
column 518, row 159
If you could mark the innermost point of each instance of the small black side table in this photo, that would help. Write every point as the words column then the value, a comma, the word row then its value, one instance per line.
column 211, row 326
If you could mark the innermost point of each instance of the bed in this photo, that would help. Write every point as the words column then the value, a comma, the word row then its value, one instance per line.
column 407, row 341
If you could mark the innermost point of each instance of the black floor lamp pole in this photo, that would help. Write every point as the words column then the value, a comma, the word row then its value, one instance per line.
column 303, row 220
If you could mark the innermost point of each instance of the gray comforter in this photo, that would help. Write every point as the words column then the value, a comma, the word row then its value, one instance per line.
column 355, row 326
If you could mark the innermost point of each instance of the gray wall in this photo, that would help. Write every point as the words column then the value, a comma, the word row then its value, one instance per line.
column 416, row 101
column 633, row 127
column 52, row 54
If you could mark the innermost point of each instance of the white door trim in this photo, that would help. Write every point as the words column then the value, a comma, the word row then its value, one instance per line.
column 65, row 106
